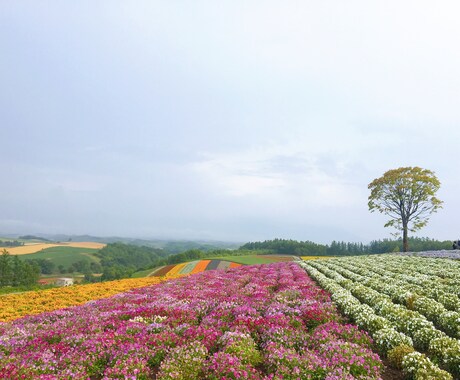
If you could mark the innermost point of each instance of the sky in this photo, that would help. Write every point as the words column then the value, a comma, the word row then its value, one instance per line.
column 224, row 120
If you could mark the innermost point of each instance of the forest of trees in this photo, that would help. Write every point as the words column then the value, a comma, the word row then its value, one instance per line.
column 10, row 243
column 337, row 248
column 15, row 272
column 119, row 260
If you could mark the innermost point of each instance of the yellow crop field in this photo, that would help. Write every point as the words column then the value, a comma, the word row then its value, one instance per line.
column 85, row 244
column 176, row 269
column 316, row 257
column 13, row 306
column 33, row 248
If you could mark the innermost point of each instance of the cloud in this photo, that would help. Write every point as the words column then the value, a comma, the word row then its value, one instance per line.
column 279, row 174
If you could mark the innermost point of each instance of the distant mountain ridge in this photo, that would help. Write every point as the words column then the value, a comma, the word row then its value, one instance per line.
column 172, row 245
column 33, row 237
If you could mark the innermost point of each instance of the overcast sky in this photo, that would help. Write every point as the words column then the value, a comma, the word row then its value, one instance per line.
column 225, row 120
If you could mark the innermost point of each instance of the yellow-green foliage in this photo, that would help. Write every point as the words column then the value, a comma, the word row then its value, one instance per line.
column 316, row 257
column 396, row 355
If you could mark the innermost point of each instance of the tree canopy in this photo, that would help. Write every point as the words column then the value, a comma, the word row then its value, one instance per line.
column 407, row 195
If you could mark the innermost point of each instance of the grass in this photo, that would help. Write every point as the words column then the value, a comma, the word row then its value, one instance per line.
column 62, row 255
column 142, row 273
column 247, row 260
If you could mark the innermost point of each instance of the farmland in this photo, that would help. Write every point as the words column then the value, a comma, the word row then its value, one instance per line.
column 34, row 248
column 64, row 255
column 252, row 322
column 212, row 263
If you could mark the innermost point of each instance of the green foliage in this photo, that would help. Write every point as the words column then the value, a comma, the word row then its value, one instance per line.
column 33, row 237
column 288, row 247
column 52, row 260
column 249, row 259
column 182, row 246
column 388, row 338
column 120, row 260
column 341, row 248
column 242, row 346
column 418, row 366
column 183, row 363
column 190, row 255
column 10, row 243
column 407, row 196
column 46, row 266
column 416, row 244
column 14, row 272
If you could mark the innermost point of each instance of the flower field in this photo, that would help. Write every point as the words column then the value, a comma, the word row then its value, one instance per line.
column 409, row 305
column 13, row 306
column 253, row 322
column 193, row 267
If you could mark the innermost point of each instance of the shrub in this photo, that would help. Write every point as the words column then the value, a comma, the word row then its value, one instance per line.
column 387, row 339
column 396, row 355
column 419, row 367
column 432, row 373
column 376, row 323
column 447, row 351
column 449, row 321
column 450, row 301
column 424, row 336
column 242, row 346
column 428, row 308
column 226, row 366
column 414, row 361
column 183, row 362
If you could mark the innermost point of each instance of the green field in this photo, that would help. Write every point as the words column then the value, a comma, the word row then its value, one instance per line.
column 65, row 256
column 246, row 260
column 142, row 273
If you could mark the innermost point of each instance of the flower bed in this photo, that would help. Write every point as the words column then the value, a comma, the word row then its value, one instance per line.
column 254, row 322
column 13, row 306
column 398, row 314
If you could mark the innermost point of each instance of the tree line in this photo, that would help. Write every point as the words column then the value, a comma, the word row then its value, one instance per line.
column 119, row 260
column 341, row 248
column 15, row 272
column 11, row 243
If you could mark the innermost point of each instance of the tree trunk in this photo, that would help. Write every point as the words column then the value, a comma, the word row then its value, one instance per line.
column 405, row 242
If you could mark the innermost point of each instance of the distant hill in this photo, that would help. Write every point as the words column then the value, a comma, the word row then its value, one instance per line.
column 170, row 245
column 33, row 237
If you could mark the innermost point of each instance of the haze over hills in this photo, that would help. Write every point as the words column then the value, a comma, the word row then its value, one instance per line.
column 172, row 245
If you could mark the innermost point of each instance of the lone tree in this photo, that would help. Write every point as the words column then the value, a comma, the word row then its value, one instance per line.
column 407, row 196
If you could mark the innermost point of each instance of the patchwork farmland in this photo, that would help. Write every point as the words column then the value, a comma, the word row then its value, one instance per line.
column 197, row 266
column 30, row 248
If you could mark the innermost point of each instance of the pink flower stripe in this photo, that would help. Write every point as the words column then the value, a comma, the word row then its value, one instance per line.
column 254, row 322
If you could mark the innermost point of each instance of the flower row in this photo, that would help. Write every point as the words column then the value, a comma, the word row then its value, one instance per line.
column 13, row 306
column 433, row 275
column 405, row 294
column 394, row 328
column 268, row 322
